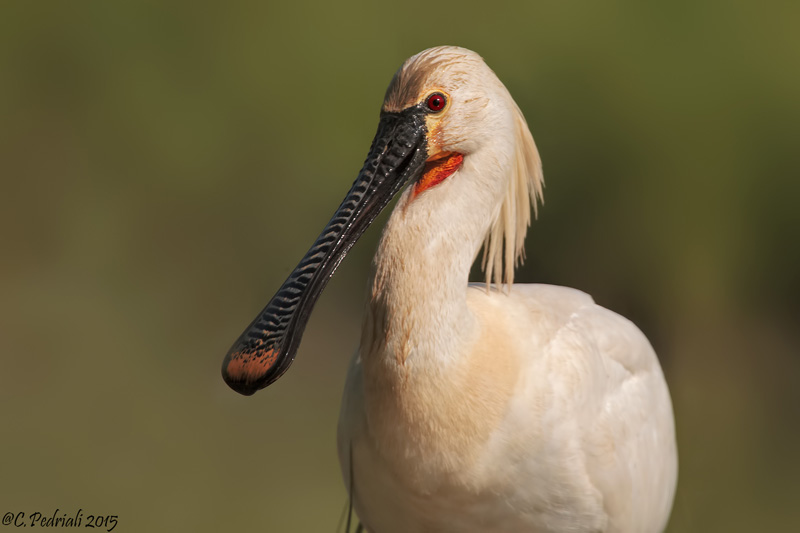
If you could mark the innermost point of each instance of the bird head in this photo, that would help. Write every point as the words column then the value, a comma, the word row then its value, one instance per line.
column 471, row 119
column 444, row 109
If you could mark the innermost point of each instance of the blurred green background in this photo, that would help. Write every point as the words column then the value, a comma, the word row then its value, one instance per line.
column 163, row 166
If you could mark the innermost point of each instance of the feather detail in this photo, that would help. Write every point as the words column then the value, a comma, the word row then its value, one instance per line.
column 504, row 247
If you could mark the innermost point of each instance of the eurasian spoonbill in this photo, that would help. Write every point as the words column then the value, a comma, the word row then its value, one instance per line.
column 492, row 408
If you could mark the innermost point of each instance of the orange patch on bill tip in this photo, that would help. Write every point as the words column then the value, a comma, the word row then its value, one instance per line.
column 249, row 367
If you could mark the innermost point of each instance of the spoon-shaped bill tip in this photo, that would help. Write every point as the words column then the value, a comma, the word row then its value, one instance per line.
column 266, row 349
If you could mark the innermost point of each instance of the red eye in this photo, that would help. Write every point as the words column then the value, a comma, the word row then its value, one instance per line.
column 436, row 102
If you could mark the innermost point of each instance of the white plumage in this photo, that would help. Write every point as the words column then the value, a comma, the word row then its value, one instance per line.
column 523, row 408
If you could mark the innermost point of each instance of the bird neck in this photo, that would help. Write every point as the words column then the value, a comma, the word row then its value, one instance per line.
column 417, row 310
column 434, row 384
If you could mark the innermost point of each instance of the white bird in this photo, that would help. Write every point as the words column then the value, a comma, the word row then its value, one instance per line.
column 496, row 408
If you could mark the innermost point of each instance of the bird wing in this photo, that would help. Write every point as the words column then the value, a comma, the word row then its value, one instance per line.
column 599, row 417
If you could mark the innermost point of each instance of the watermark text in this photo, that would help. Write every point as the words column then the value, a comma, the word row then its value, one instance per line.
column 59, row 518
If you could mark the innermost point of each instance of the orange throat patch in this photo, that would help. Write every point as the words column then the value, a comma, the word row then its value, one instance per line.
column 437, row 169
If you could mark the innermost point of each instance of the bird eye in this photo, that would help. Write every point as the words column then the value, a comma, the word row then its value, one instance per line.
column 436, row 102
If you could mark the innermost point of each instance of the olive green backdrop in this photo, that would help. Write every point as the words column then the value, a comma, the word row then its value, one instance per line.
column 163, row 166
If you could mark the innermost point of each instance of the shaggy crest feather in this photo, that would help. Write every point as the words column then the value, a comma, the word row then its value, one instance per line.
column 504, row 247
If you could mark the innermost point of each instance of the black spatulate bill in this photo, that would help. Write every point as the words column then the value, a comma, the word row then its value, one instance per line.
column 266, row 349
